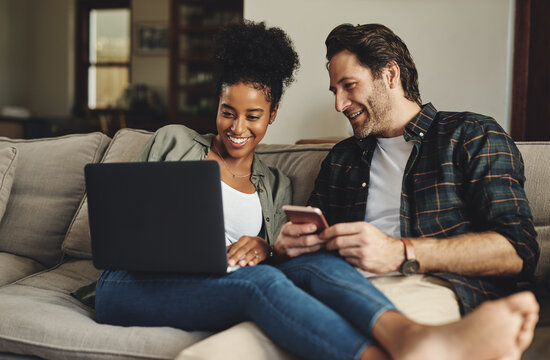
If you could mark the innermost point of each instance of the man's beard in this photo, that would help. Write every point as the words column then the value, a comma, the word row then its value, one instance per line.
column 378, row 115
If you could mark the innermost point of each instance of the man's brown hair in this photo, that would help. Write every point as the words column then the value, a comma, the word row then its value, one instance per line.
column 375, row 46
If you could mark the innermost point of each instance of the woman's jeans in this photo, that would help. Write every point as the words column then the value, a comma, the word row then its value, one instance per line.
column 315, row 305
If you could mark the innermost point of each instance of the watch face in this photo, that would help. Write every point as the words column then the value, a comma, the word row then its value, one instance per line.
column 410, row 267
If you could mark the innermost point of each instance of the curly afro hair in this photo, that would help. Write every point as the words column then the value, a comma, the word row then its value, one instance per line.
column 252, row 53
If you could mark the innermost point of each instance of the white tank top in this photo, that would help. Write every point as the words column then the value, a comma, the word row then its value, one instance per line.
column 242, row 214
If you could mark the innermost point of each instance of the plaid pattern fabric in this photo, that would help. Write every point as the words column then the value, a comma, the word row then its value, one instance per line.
column 465, row 174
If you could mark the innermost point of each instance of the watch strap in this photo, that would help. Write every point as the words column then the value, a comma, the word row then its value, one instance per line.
column 409, row 249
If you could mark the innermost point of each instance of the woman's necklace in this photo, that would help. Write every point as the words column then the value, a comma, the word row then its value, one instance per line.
column 214, row 147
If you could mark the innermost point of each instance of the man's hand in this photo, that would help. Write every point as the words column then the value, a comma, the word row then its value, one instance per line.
column 297, row 239
column 249, row 250
column 365, row 246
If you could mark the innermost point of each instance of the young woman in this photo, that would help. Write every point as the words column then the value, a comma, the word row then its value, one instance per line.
column 316, row 306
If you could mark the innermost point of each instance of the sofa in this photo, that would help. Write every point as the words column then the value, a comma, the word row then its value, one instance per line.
column 45, row 253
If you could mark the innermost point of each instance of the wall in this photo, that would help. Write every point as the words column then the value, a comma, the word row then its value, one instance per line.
column 462, row 50
column 13, row 53
column 37, row 61
column 51, row 43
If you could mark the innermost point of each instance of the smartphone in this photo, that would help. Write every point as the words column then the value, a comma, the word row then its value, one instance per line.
column 306, row 215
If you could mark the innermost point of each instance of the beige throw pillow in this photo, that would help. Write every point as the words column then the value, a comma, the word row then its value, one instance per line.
column 8, row 158
column 47, row 190
column 125, row 146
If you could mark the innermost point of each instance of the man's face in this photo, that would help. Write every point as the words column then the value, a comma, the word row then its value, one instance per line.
column 363, row 99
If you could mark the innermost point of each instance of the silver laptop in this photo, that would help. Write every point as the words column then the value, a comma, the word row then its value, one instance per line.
column 157, row 216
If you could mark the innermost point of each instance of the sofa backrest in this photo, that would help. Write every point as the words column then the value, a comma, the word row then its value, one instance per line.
column 125, row 146
column 536, row 156
column 47, row 188
column 302, row 162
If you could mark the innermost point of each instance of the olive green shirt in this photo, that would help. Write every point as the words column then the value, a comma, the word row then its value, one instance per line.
column 179, row 143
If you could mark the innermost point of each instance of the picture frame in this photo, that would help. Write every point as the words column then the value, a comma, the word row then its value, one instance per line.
column 151, row 38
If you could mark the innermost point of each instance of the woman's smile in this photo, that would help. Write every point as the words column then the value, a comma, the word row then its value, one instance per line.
column 238, row 140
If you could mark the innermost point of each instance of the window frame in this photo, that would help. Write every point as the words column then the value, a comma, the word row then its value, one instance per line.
column 82, row 50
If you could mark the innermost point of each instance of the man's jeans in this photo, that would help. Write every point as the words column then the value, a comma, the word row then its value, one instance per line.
column 316, row 305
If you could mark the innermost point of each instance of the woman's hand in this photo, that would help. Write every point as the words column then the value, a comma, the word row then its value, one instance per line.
column 249, row 250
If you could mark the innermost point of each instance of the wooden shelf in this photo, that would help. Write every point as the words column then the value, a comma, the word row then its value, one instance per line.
column 199, row 29
column 199, row 59
column 205, row 17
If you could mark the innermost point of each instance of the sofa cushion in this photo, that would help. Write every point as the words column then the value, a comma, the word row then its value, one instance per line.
column 301, row 163
column 48, row 186
column 536, row 156
column 8, row 158
column 15, row 267
column 39, row 317
column 126, row 145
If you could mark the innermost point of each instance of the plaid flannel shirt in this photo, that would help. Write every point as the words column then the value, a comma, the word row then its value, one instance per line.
column 465, row 174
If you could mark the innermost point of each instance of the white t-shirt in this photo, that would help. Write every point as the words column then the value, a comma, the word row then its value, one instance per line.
column 242, row 214
column 386, row 176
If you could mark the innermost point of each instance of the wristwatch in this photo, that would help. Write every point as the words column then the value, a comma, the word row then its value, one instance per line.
column 411, row 265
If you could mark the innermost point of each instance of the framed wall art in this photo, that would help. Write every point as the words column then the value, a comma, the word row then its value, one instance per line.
column 151, row 38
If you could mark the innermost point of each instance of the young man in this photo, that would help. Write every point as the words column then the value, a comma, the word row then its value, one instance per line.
column 433, row 198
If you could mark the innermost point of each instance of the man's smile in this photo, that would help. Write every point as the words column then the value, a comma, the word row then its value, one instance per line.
column 355, row 114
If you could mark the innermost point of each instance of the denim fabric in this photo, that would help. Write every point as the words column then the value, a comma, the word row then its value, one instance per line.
column 338, row 285
column 331, row 318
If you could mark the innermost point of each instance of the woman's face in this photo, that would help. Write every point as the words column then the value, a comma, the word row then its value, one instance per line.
column 243, row 116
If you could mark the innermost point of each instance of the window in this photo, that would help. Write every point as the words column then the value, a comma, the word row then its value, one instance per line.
column 103, row 53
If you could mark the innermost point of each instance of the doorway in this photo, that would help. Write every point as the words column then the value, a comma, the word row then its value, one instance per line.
column 531, row 83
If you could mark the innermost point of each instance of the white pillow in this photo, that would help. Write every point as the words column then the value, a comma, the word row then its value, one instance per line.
column 8, row 159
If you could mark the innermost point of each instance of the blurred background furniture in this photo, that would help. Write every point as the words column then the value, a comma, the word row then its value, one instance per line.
column 24, row 128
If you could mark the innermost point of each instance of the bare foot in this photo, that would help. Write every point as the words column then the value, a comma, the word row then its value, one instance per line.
column 518, row 302
column 374, row 352
column 500, row 329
